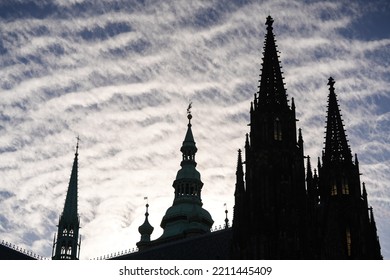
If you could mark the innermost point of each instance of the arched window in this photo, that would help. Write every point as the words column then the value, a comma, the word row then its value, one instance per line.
column 69, row 251
column 64, row 232
column 333, row 188
column 71, row 233
column 344, row 186
column 349, row 241
column 277, row 130
column 63, row 250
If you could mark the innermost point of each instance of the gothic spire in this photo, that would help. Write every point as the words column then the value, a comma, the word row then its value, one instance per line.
column 271, row 88
column 336, row 143
column 67, row 246
column 239, row 176
column 309, row 174
column 70, row 208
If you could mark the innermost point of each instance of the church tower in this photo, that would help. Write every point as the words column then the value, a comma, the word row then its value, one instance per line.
column 67, row 244
column 348, row 229
column 186, row 217
column 269, row 214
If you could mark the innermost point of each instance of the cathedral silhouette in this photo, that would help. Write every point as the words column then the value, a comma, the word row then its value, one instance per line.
column 282, row 209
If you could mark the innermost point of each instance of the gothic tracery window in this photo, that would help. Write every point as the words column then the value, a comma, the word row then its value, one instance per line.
column 277, row 130
column 344, row 186
column 349, row 241
column 333, row 190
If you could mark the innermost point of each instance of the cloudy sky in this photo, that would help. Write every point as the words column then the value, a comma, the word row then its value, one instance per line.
column 121, row 73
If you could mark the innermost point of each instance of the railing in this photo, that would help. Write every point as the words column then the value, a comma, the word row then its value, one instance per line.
column 134, row 250
column 117, row 254
column 218, row 228
column 23, row 251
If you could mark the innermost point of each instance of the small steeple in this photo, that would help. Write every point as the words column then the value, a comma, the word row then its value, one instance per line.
column 226, row 219
column 309, row 174
column 365, row 200
column 300, row 138
column 336, row 143
column 239, row 176
column 146, row 228
column 239, row 192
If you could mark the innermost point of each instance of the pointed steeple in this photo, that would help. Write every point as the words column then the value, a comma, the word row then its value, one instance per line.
column 271, row 88
column 336, row 143
column 70, row 208
column 67, row 246
column 226, row 217
column 365, row 200
column 309, row 175
column 239, row 177
column 239, row 193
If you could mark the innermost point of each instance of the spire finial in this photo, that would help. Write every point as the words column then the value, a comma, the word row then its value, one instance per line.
column 77, row 145
column 147, row 206
column 331, row 82
column 269, row 21
column 226, row 219
column 189, row 116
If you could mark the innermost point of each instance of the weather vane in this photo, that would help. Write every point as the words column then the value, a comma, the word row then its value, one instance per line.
column 189, row 116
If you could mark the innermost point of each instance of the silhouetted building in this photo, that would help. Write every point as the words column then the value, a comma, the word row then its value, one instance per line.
column 281, row 211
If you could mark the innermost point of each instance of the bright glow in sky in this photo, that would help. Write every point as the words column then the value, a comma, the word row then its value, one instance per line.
column 121, row 73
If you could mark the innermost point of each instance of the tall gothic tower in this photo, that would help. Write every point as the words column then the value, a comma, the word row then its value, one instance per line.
column 347, row 225
column 270, row 210
column 67, row 245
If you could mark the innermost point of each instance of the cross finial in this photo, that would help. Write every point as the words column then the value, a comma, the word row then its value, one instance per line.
column 331, row 82
column 77, row 144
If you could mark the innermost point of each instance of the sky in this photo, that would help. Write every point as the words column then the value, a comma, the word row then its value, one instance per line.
column 120, row 75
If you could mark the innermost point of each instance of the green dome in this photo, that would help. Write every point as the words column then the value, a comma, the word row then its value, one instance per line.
column 186, row 217
column 188, row 172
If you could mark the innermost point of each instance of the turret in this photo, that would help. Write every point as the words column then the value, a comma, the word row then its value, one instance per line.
column 145, row 230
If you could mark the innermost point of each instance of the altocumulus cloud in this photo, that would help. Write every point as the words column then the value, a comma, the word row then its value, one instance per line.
column 121, row 73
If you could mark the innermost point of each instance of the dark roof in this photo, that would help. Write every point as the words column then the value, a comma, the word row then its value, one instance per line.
column 7, row 253
column 209, row 246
